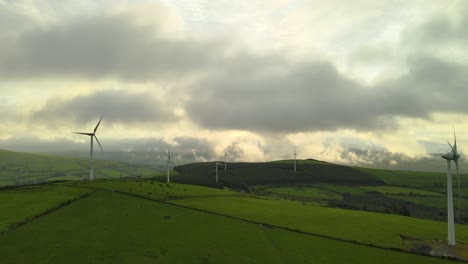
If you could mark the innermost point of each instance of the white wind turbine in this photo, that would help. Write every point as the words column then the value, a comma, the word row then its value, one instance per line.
column 168, row 165
column 452, row 155
column 92, row 135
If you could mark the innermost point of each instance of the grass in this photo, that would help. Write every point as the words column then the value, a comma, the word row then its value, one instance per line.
column 244, row 175
column 365, row 227
column 19, row 204
column 412, row 178
column 305, row 191
column 438, row 202
column 7, row 183
column 157, row 190
column 107, row 227
column 64, row 178
column 355, row 190
column 393, row 190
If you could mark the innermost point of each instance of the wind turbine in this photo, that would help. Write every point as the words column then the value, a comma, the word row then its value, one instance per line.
column 168, row 166
column 92, row 135
column 452, row 155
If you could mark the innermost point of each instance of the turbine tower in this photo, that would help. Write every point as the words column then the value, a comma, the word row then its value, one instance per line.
column 168, row 166
column 452, row 155
column 295, row 154
column 92, row 135
column 225, row 161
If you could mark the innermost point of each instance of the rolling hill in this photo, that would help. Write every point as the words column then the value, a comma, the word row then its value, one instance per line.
column 243, row 175
column 18, row 168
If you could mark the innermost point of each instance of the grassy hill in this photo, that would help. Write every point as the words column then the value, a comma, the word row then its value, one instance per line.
column 243, row 175
column 151, row 222
column 17, row 168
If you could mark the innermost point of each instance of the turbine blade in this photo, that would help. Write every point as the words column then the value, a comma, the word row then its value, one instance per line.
column 82, row 133
column 98, row 142
column 98, row 124
column 454, row 141
column 168, row 155
column 450, row 145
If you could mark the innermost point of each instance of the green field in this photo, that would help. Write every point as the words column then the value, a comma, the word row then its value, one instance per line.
column 342, row 189
column 304, row 191
column 400, row 191
column 20, row 204
column 364, row 227
column 157, row 190
column 415, row 178
column 116, row 225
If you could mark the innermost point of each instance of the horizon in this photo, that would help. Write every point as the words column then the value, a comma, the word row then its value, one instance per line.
column 182, row 157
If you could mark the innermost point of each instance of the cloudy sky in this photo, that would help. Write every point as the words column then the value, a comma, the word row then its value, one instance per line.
column 338, row 80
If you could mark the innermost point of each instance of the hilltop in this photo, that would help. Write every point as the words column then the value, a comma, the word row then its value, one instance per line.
column 242, row 174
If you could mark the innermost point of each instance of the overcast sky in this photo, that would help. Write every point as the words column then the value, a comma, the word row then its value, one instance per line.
column 256, row 78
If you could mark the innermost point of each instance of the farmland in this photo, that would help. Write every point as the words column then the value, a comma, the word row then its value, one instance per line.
column 121, row 222
column 254, row 214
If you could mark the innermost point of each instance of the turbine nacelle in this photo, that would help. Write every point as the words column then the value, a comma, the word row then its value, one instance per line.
column 93, row 134
column 169, row 158
column 451, row 156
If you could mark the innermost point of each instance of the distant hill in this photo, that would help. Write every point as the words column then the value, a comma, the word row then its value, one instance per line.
column 241, row 175
column 18, row 168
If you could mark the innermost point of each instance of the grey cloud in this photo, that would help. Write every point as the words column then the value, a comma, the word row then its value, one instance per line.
column 384, row 159
column 35, row 144
column 440, row 30
column 195, row 149
column 270, row 94
column 435, row 147
column 234, row 152
column 116, row 105
column 154, row 147
column 191, row 143
column 242, row 91
column 99, row 46
column 308, row 96
column 11, row 20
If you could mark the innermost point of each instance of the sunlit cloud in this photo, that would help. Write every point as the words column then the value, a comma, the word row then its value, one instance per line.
column 358, row 83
